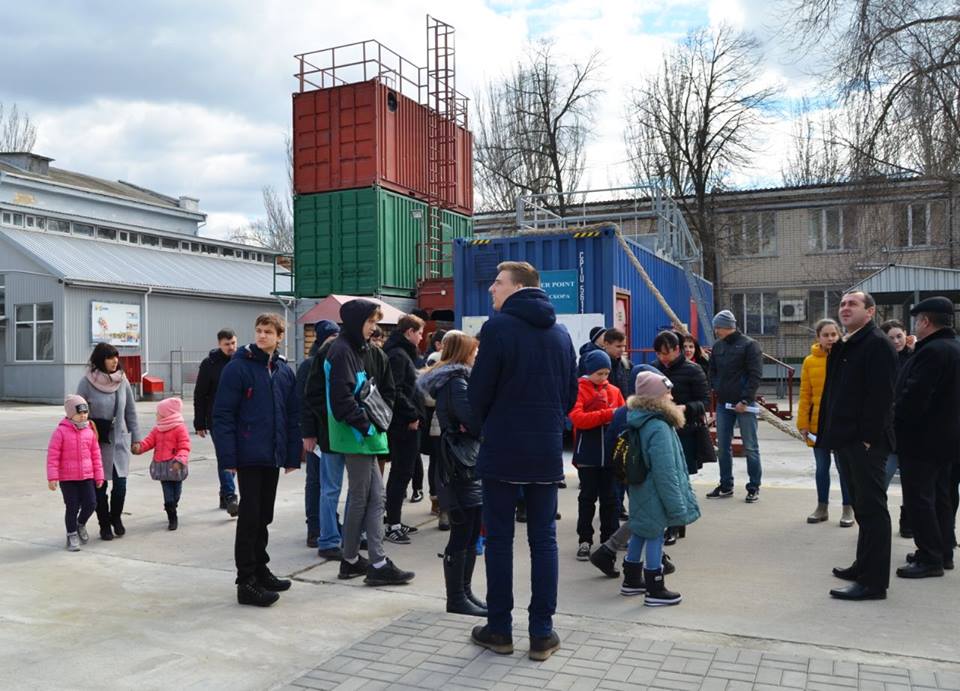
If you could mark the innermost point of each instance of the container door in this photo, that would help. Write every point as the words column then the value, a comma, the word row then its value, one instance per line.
column 621, row 313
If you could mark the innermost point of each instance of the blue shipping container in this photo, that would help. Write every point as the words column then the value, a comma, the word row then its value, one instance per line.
column 589, row 277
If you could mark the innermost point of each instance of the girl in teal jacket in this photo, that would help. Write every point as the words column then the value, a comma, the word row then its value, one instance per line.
column 665, row 497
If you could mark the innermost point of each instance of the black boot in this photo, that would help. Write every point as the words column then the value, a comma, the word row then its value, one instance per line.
column 469, row 562
column 171, row 510
column 657, row 594
column 457, row 602
column 116, row 511
column 103, row 517
column 905, row 529
column 633, row 583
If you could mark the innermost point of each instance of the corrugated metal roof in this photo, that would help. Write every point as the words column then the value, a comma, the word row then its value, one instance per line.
column 95, row 261
column 903, row 278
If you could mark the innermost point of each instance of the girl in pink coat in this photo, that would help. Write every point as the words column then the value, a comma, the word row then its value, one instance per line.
column 73, row 461
column 170, row 441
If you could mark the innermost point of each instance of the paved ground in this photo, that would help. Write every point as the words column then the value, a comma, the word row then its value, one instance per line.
column 157, row 609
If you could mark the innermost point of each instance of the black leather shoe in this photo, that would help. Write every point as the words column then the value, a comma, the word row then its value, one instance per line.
column 268, row 581
column 919, row 570
column 847, row 574
column 947, row 563
column 857, row 591
column 501, row 644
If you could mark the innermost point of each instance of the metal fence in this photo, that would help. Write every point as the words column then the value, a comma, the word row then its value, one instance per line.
column 181, row 371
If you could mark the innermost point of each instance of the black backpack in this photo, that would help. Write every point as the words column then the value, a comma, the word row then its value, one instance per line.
column 629, row 465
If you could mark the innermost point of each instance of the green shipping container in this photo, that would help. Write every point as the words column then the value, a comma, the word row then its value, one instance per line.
column 364, row 242
column 357, row 242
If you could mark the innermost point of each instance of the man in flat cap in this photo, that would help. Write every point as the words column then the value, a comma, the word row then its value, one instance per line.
column 927, row 426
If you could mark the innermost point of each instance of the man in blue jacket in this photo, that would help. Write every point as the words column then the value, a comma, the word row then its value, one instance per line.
column 256, row 425
column 522, row 386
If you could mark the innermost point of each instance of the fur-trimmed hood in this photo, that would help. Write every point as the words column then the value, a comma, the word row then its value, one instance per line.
column 641, row 407
column 433, row 379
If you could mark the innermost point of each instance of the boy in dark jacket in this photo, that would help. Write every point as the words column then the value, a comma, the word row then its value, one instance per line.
column 596, row 402
column 352, row 433
column 736, row 366
column 204, row 393
column 404, row 432
column 256, row 424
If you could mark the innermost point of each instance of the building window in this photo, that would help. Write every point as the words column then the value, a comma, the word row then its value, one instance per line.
column 185, row 246
column 754, row 234
column 31, row 222
column 824, row 304
column 107, row 233
column 34, row 332
column 151, row 240
column 833, row 229
column 169, row 244
column 83, row 229
column 41, row 222
column 913, row 225
column 18, row 220
column 758, row 314
column 7, row 218
column 58, row 226
column 211, row 249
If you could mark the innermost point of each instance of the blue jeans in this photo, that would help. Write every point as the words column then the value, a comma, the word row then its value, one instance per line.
column 748, row 433
column 331, row 483
column 171, row 491
column 311, row 494
column 499, row 504
column 893, row 462
column 653, row 548
column 823, row 457
column 228, row 487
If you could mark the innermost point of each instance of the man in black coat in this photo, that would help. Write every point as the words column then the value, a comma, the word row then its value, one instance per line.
column 204, row 393
column 927, row 426
column 856, row 421
column 690, row 391
column 404, row 432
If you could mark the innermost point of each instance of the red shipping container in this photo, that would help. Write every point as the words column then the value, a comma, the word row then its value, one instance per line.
column 435, row 294
column 360, row 135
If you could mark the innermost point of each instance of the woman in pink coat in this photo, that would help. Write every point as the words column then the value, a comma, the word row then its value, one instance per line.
column 73, row 461
column 170, row 441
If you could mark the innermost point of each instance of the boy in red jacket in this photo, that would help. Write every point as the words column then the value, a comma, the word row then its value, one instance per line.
column 170, row 441
column 73, row 461
column 597, row 399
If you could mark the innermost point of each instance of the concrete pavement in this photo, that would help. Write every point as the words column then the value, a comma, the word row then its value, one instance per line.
column 157, row 609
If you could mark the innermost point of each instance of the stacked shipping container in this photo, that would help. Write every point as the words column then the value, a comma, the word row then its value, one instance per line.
column 360, row 158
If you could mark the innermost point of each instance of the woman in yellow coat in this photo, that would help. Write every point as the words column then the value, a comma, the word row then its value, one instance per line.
column 812, row 377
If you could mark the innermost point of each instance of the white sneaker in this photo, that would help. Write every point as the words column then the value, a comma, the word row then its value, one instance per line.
column 73, row 542
column 83, row 534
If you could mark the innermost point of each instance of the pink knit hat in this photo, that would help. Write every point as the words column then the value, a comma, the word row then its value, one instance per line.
column 169, row 407
column 650, row 385
column 71, row 402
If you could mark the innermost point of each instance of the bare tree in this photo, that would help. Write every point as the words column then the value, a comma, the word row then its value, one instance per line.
column 818, row 154
column 17, row 131
column 897, row 64
column 275, row 229
column 532, row 127
column 695, row 121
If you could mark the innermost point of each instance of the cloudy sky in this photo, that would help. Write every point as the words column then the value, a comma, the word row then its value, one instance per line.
column 193, row 98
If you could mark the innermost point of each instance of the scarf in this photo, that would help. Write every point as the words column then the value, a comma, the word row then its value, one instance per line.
column 169, row 422
column 107, row 383
column 80, row 425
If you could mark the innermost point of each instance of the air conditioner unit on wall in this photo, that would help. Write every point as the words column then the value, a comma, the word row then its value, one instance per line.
column 793, row 311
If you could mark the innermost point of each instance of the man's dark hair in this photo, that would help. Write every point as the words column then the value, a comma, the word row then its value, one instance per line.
column 225, row 334
column 868, row 300
column 938, row 319
column 409, row 321
column 666, row 340
column 101, row 353
column 614, row 336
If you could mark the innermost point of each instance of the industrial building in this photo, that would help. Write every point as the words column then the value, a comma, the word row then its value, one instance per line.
column 84, row 259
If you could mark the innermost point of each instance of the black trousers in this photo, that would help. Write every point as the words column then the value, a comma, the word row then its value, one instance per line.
column 597, row 484
column 80, row 500
column 404, row 453
column 258, row 492
column 866, row 482
column 464, row 528
column 926, row 496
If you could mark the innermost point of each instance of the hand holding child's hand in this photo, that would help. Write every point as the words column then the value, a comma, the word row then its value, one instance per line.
column 99, row 484
column 52, row 484
column 178, row 466
column 135, row 448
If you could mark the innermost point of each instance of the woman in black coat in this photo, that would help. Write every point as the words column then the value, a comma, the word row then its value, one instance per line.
column 447, row 384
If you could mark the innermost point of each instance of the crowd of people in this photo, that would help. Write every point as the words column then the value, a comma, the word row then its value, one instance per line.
column 491, row 413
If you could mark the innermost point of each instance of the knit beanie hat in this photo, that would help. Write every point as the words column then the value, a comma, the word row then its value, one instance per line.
column 652, row 385
column 169, row 407
column 724, row 320
column 596, row 332
column 595, row 360
column 71, row 402
column 324, row 329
